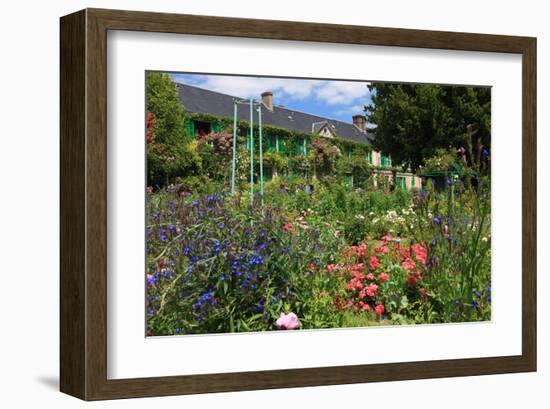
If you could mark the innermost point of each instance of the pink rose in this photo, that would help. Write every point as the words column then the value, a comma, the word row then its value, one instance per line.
column 379, row 309
column 288, row 321
column 383, row 277
column 374, row 262
column 371, row 290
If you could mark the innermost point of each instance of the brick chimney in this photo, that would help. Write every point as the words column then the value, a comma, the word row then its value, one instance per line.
column 267, row 99
column 360, row 121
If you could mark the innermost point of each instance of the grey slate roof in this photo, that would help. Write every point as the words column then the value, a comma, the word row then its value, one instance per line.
column 203, row 101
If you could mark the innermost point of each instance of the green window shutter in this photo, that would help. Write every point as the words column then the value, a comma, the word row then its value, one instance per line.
column 299, row 146
column 216, row 128
column 369, row 157
column 308, row 142
column 267, row 174
column 190, row 127
column 412, row 181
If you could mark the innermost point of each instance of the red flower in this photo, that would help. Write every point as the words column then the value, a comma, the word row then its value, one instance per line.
column 408, row 264
column 412, row 279
column 374, row 262
column 356, row 269
column 362, row 250
column 371, row 290
column 289, row 227
column 382, row 249
column 383, row 277
column 420, row 252
column 379, row 309
column 331, row 267
column 370, row 276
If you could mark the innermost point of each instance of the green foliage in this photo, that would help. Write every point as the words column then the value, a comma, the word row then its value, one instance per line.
column 163, row 102
column 169, row 155
column 442, row 160
column 413, row 120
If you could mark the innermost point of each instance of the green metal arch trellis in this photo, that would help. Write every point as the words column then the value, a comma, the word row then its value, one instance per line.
column 251, row 102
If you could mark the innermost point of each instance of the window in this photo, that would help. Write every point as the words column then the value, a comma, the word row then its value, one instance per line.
column 401, row 182
column 300, row 146
column 267, row 174
column 272, row 143
column 385, row 160
column 202, row 128
column 369, row 157
column 348, row 152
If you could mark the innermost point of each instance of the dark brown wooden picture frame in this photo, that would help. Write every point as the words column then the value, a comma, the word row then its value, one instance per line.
column 83, row 313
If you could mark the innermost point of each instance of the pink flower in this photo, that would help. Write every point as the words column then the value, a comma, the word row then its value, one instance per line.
column 383, row 277
column 337, row 233
column 371, row 290
column 408, row 264
column 370, row 276
column 373, row 262
column 288, row 321
column 382, row 249
column 289, row 227
column 379, row 309
column 420, row 252
column 331, row 267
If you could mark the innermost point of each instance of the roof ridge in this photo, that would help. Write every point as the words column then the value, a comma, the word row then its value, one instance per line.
column 325, row 118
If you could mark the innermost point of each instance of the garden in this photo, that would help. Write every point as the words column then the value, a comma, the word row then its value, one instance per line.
column 313, row 251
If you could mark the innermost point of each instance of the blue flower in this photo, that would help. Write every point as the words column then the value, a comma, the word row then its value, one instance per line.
column 485, row 152
column 449, row 181
column 178, row 330
column 437, row 220
column 221, row 225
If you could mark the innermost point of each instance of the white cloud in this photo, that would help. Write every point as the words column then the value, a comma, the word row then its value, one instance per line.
column 351, row 94
column 246, row 87
column 351, row 110
column 342, row 92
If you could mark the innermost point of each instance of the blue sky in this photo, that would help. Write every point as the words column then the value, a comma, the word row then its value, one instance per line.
column 333, row 99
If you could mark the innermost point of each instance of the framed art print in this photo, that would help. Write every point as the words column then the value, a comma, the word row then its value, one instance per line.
column 253, row 204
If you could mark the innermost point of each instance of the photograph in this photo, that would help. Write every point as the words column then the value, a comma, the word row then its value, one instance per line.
column 278, row 203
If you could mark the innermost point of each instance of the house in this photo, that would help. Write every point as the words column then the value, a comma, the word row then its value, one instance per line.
column 209, row 111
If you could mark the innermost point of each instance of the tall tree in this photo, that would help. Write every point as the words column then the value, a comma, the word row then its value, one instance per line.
column 413, row 120
column 169, row 153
